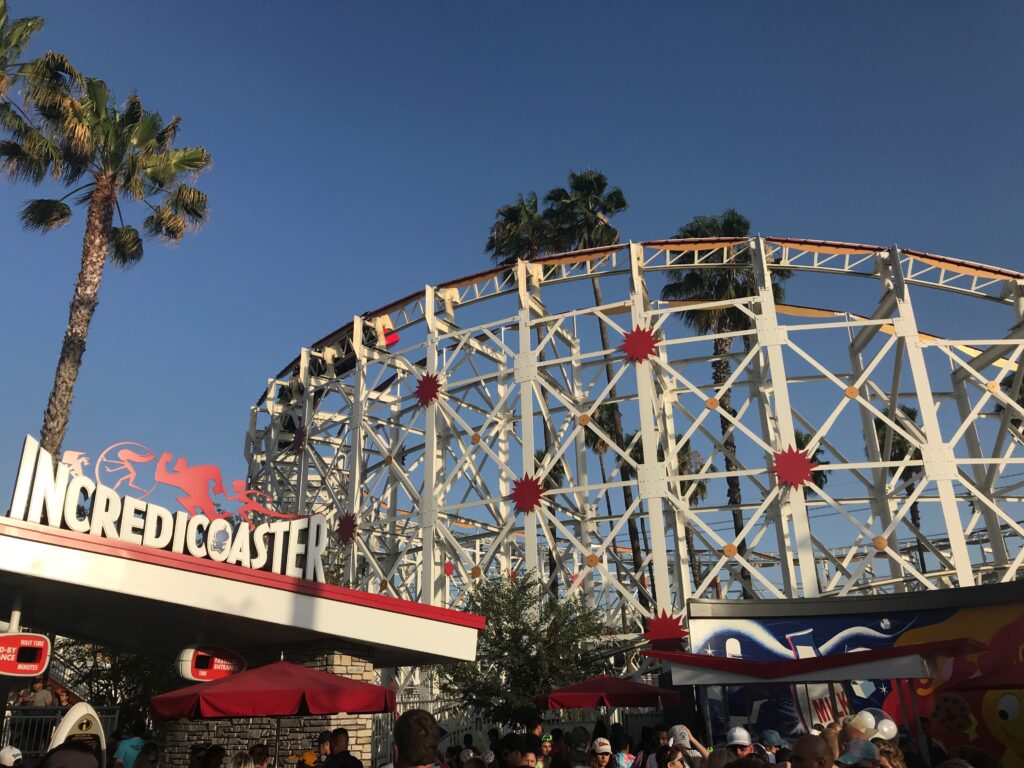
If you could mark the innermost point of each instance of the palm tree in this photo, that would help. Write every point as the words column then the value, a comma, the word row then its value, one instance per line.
column 578, row 216
column 519, row 231
column 14, row 37
column 77, row 135
column 899, row 449
column 721, row 284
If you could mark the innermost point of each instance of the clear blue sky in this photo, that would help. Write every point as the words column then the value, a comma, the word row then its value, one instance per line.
column 360, row 150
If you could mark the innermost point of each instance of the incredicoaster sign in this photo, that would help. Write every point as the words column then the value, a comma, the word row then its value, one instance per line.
column 76, row 502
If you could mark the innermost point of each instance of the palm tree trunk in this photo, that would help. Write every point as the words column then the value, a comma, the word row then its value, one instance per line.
column 83, row 305
column 627, row 491
column 695, row 570
column 608, row 506
column 721, row 370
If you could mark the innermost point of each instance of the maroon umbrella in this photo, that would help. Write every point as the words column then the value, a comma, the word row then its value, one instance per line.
column 279, row 689
column 608, row 691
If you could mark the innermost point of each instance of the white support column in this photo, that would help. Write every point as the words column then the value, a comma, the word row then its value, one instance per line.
column 759, row 390
column 586, row 519
column 355, row 477
column 391, row 545
column 995, row 535
column 939, row 462
column 985, row 476
column 882, row 505
column 652, row 477
column 772, row 338
column 506, row 426
column 302, row 503
column 525, row 375
column 428, row 497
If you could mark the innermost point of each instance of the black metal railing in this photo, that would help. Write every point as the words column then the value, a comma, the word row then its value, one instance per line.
column 30, row 728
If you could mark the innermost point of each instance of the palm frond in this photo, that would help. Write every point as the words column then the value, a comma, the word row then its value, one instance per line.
column 21, row 165
column 125, row 247
column 45, row 215
column 49, row 81
column 171, row 163
column 18, row 34
column 189, row 202
column 13, row 122
column 166, row 224
column 146, row 130
column 76, row 127
column 168, row 133
column 132, row 113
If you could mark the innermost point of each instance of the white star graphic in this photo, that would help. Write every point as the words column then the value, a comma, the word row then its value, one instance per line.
column 883, row 688
column 710, row 652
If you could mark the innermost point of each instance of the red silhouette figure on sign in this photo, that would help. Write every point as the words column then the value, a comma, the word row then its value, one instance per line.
column 126, row 461
column 118, row 465
column 77, row 460
column 195, row 483
column 250, row 504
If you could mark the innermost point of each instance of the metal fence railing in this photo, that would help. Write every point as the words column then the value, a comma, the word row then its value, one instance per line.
column 30, row 728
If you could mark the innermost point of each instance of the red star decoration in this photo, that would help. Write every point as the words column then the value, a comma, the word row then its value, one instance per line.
column 428, row 389
column 299, row 440
column 526, row 493
column 346, row 530
column 665, row 632
column 449, row 568
column 792, row 467
column 639, row 344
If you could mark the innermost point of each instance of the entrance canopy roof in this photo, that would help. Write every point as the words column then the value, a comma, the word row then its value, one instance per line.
column 900, row 662
column 153, row 600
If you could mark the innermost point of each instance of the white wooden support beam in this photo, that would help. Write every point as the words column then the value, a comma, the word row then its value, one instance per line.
column 525, row 376
column 652, row 478
column 429, row 570
column 772, row 338
column 939, row 463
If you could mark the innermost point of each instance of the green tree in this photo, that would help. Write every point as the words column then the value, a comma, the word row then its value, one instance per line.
column 1007, row 387
column 578, row 217
column 721, row 284
column 519, row 231
column 527, row 647
column 107, row 675
column 819, row 476
column 14, row 37
column 899, row 449
column 76, row 135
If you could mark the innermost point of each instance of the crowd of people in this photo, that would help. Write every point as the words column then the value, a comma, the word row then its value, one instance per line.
column 40, row 693
column 416, row 738
column 842, row 744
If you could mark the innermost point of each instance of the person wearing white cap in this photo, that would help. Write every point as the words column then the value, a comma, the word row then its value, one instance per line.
column 10, row 757
column 681, row 737
column 737, row 741
column 600, row 753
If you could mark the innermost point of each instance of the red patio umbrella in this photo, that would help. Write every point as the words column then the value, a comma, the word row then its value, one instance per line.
column 608, row 691
column 280, row 689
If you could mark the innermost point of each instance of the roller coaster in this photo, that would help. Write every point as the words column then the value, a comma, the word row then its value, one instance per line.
column 558, row 416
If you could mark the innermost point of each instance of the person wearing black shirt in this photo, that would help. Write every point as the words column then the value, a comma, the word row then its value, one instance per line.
column 340, row 756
